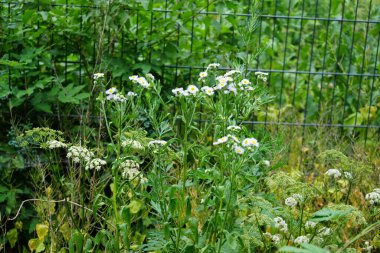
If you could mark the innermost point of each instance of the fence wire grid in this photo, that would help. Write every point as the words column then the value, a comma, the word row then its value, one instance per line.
column 321, row 55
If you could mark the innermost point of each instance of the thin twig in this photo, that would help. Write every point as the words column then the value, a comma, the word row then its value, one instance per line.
column 56, row 201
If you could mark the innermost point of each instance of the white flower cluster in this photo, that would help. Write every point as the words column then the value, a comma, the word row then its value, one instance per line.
column 293, row 200
column 98, row 75
column 141, row 80
column 130, row 171
column 191, row 90
column 113, row 95
column 261, row 75
column 335, row 173
column 55, row 144
column 237, row 146
column 348, row 175
column 95, row 164
column 78, row 154
column 275, row 238
column 324, row 231
column 224, row 83
column 233, row 128
column 133, row 144
column 368, row 246
column 156, row 143
column 302, row 239
column 310, row 224
column 280, row 224
column 373, row 197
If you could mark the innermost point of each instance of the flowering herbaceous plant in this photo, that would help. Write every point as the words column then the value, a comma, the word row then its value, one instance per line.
column 183, row 173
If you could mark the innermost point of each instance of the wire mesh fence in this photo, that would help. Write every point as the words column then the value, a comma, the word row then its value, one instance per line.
column 321, row 55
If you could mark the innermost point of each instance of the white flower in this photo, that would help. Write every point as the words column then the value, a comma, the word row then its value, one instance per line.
column 261, row 75
column 333, row 173
column 266, row 163
column 234, row 128
column 133, row 78
column 150, row 76
column 98, row 75
column 276, row 238
column 231, row 72
column 203, row 75
column 291, row 202
column 222, row 80
column 298, row 197
column 250, row 142
column 133, row 144
column 131, row 94
column 310, row 224
column 245, row 82
column 221, row 140
column 55, row 144
column 324, row 231
column 234, row 138
column 177, row 91
column 302, row 239
column 239, row 150
column 78, row 153
column 143, row 82
column 95, row 164
column 373, row 197
column 347, row 175
column 192, row 89
column 232, row 88
column 111, row 91
column 280, row 224
column 212, row 65
column 208, row 90
column 368, row 247
column 156, row 142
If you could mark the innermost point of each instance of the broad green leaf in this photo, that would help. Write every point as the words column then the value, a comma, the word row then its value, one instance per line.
column 12, row 236
column 42, row 230
column 135, row 206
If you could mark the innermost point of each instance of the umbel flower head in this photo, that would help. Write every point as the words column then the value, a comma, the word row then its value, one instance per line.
column 373, row 197
column 55, row 144
column 79, row 153
column 130, row 171
column 335, row 173
column 95, row 164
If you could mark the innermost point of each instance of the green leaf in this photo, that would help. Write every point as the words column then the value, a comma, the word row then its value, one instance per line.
column 135, row 206
column 12, row 236
column 42, row 230
column 327, row 214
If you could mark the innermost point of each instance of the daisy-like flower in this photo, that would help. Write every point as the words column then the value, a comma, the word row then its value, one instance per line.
column 232, row 88
column 150, row 76
column 233, row 137
column 55, row 144
column 302, row 239
column 245, row 82
column 133, row 78
column 239, row 150
column 95, row 164
column 221, row 140
column 203, row 75
column 143, row 82
column 192, row 89
column 276, row 238
column 248, row 142
column 223, row 80
column 98, row 75
column 111, row 91
column 291, row 202
column 208, row 90
column 333, row 173
column 177, row 91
